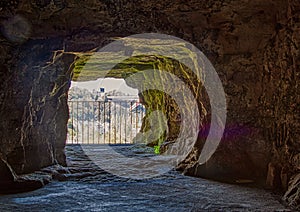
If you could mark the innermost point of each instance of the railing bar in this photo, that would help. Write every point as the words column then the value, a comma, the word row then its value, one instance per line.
column 136, row 121
column 93, row 109
column 131, row 121
column 82, row 121
column 88, row 120
column 142, row 115
column 109, row 126
column 126, row 120
column 72, row 121
column 120, row 122
column 99, row 122
column 125, row 117
column 77, row 127
column 104, row 120
column 115, row 125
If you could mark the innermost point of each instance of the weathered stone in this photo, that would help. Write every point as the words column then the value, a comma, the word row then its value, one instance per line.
column 253, row 48
column 38, row 114
column 292, row 196
column 272, row 177
column 7, row 174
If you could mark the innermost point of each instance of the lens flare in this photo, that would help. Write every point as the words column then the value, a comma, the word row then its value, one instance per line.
column 17, row 29
column 151, row 45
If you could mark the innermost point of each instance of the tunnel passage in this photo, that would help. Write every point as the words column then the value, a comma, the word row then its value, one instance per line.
column 254, row 50
column 56, row 99
column 90, row 67
column 160, row 96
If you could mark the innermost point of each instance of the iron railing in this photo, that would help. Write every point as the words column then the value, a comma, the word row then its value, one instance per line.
column 104, row 122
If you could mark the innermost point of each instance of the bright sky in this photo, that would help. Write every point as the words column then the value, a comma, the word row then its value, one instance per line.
column 109, row 84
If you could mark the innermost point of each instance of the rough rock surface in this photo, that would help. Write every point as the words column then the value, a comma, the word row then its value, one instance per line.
column 34, row 113
column 254, row 46
column 292, row 196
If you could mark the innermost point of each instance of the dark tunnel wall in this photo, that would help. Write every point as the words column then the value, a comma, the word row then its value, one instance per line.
column 254, row 46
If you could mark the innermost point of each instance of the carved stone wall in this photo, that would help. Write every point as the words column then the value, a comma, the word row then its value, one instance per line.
column 254, row 46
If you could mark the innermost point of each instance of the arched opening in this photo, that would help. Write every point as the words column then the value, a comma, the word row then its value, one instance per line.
column 253, row 48
column 91, row 68
column 171, row 98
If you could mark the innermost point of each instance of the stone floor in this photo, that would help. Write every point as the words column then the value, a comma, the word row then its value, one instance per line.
column 86, row 187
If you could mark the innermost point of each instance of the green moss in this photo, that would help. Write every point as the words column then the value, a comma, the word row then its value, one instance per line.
column 157, row 149
column 86, row 70
column 88, row 67
column 79, row 64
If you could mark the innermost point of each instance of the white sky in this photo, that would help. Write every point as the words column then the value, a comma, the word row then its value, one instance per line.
column 109, row 84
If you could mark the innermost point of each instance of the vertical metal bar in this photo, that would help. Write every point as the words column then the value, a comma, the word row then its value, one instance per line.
column 141, row 118
column 109, row 126
column 125, row 117
column 71, row 105
column 77, row 122
column 120, row 122
column 115, row 124
column 136, row 120
column 93, row 115
column 72, row 116
column 68, row 134
column 104, row 120
column 88, row 121
column 143, row 114
column 82, row 121
column 131, row 121
column 99, row 122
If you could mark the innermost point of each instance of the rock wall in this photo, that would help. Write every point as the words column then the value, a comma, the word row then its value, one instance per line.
column 254, row 50
column 254, row 46
column 34, row 110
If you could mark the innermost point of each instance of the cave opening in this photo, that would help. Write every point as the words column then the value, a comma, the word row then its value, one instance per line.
column 254, row 50
column 153, row 103
column 104, row 109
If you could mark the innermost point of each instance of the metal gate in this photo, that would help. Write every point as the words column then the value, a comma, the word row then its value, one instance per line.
column 104, row 122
